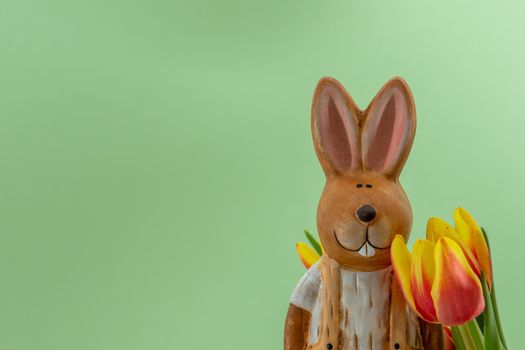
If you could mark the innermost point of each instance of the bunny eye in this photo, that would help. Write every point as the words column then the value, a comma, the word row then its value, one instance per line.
column 359, row 185
column 368, row 186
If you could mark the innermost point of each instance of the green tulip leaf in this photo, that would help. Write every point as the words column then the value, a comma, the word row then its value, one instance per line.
column 315, row 244
column 490, row 329
column 494, row 304
column 480, row 320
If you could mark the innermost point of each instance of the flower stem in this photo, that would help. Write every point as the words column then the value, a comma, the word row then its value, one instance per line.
column 466, row 338
column 469, row 336
column 476, row 334
column 458, row 340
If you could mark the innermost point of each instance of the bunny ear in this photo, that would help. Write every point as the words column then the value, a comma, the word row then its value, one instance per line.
column 335, row 128
column 389, row 129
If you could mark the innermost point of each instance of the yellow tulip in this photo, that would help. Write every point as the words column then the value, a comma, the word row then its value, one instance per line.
column 308, row 255
column 437, row 280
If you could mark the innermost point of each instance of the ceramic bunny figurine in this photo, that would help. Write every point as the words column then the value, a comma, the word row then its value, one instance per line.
column 349, row 300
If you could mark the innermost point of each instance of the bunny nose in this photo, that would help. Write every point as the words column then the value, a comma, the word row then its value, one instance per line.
column 366, row 213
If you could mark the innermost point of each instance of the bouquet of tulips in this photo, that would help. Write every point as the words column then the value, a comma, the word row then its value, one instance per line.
column 447, row 279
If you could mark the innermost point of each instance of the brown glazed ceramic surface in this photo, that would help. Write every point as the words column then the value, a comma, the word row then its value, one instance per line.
column 363, row 205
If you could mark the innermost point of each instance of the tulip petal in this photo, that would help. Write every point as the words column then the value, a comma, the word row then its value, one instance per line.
column 401, row 264
column 456, row 290
column 471, row 234
column 465, row 224
column 436, row 228
column 483, row 255
column 422, row 276
column 308, row 255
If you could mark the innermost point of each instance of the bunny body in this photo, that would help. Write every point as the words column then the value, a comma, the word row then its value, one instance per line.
column 349, row 300
column 362, row 313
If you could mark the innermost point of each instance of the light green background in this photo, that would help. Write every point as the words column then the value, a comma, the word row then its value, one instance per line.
column 157, row 166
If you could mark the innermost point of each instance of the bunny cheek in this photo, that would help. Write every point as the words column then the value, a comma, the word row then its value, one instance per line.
column 381, row 233
column 350, row 235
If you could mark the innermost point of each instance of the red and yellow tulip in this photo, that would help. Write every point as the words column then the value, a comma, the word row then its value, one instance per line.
column 447, row 279
column 473, row 238
column 469, row 236
column 437, row 280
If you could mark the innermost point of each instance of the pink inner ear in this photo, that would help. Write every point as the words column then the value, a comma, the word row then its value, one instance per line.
column 333, row 129
column 390, row 134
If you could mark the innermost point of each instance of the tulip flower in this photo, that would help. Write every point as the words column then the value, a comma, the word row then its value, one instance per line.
column 474, row 239
column 308, row 255
column 469, row 236
column 437, row 280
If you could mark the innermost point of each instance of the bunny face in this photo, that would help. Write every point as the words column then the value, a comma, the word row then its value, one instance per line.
column 363, row 205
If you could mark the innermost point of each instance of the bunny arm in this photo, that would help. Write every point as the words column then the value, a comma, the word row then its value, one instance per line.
column 296, row 328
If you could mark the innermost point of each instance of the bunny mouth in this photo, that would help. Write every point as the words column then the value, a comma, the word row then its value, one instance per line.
column 367, row 249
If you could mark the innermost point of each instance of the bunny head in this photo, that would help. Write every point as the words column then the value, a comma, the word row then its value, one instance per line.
column 362, row 153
